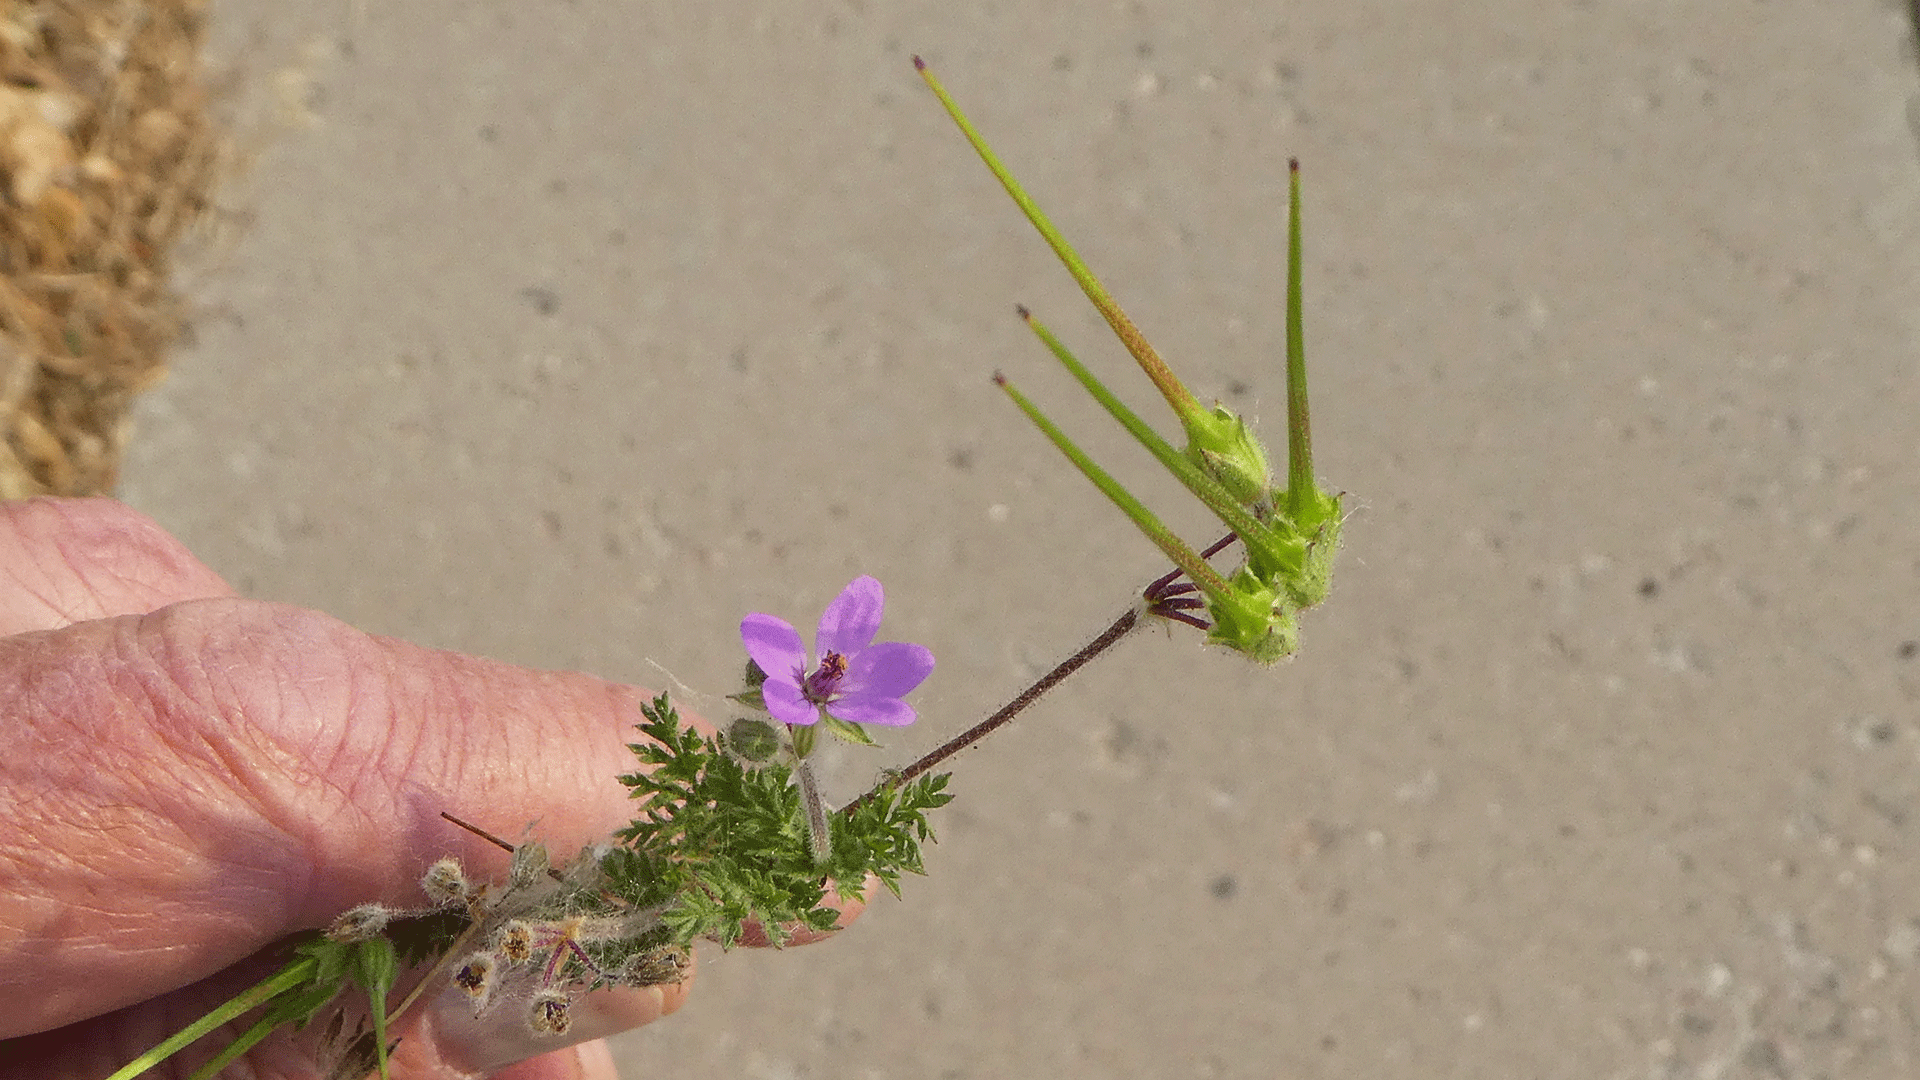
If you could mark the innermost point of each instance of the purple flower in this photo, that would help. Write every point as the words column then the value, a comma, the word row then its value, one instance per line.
column 856, row 680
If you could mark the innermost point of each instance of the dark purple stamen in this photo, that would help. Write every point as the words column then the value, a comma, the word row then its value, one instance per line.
column 1170, row 598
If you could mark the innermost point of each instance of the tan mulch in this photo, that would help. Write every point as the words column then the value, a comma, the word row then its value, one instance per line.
column 107, row 157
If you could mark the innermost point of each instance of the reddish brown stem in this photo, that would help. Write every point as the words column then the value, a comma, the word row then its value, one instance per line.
column 1155, row 593
column 1010, row 710
column 494, row 840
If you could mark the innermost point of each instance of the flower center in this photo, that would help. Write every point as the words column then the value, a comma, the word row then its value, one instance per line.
column 820, row 686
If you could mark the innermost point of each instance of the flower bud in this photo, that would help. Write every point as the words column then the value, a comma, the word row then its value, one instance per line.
column 753, row 743
column 445, row 882
column 584, row 871
column 655, row 967
column 362, row 923
column 529, row 865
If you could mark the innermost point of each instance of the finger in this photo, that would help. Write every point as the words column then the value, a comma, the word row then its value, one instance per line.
column 64, row 561
column 450, row 1041
column 183, row 787
column 596, row 1063
column 588, row 1061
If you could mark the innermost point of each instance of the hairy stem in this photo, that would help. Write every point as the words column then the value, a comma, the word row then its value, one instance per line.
column 816, row 817
column 1154, row 592
column 1011, row 709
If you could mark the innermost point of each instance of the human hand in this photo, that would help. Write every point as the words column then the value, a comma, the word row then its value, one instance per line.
column 192, row 776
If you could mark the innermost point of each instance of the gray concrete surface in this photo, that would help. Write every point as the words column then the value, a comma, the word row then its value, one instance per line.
column 568, row 332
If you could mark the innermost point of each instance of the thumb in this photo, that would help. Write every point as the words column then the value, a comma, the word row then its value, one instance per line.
column 187, row 785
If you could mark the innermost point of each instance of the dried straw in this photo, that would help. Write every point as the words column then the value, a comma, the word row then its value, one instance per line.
column 107, row 156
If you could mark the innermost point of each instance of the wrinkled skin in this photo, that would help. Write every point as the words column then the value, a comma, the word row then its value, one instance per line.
column 188, row 776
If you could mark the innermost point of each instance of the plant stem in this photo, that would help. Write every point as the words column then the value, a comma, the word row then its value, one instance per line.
column 494, row 840
column 819, row 822
column 259, row 994
column 1011, row 709
column 433, row 973
column 255, row 1034
column 1107, row 639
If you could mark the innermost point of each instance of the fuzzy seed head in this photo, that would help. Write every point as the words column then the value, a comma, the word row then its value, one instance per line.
column 362, row 923
column 477, row 976
column 549, row 1013
column 515, row 941
column 445, row 882
column 655, row 967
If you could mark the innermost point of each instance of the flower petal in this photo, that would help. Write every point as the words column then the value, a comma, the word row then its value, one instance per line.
column 849, row 623
column 774, row 645
column 787, row 704
column 889, row 669
column 873, row 709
